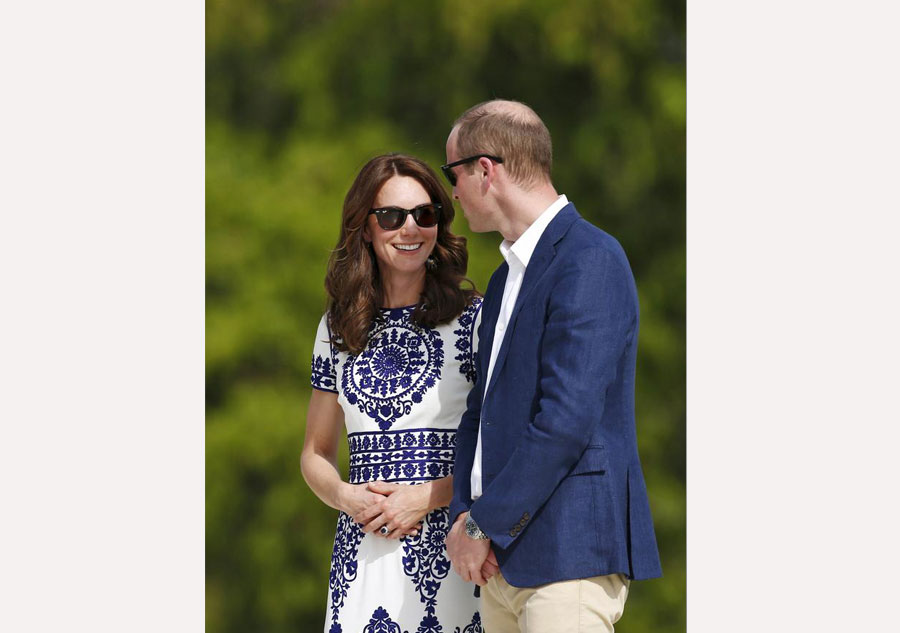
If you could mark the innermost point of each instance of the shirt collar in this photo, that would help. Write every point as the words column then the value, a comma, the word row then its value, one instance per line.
column 522, row 249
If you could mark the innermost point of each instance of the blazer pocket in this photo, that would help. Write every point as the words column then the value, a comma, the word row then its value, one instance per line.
column 593, row 460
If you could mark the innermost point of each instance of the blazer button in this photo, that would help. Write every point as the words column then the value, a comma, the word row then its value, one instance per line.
column 526, row 516
column 512, row 532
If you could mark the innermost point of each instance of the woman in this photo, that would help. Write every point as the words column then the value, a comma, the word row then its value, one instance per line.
column 393, row 361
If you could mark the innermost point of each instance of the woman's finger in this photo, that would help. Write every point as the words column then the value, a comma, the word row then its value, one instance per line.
column 366, row 514
column 375, row 524
column 381, row 487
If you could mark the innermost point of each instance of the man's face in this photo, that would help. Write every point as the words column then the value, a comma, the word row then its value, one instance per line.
column 468, row 190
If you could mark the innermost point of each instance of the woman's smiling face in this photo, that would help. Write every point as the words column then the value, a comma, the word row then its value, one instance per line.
column 402, row 250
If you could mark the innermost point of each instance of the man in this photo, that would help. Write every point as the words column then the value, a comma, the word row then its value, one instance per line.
column 550, row 512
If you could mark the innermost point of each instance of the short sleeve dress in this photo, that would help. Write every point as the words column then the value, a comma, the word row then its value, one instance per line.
column 402, row 398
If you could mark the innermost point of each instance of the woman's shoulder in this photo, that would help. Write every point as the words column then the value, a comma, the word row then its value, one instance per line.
column 324, row 325
column 474, row 303
column 324, row 332
column 470, row 313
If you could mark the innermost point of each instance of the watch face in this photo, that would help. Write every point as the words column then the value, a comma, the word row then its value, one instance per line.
column 472, row 529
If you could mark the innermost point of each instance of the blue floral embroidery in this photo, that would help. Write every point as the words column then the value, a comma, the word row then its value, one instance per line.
column 323, row 375
column 465, row 340
column 400, row 363
column 473, row 627
column 411, row 455
column 426, row 564
column 381, row 623
column 347, row 538
column 429, row 624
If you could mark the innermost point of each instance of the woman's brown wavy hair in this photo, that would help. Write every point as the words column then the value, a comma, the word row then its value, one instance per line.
column 353, row 281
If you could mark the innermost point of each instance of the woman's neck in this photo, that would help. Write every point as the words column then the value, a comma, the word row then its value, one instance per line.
column 402, row 289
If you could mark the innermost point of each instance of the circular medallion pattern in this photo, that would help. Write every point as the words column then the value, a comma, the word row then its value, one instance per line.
column 401, row 362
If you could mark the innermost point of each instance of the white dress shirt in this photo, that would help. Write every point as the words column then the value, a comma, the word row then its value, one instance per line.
column 517, row 254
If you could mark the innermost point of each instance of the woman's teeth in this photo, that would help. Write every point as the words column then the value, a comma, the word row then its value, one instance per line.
column 408, row 247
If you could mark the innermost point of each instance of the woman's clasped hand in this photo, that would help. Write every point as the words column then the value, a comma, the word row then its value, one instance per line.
column 398, row 508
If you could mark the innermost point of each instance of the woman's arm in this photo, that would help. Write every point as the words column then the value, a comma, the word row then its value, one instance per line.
column 318, row 462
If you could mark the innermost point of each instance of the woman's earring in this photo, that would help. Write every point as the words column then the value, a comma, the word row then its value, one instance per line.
column 431, row 263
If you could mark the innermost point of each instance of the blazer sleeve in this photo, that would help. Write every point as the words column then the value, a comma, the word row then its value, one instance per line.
column 591, row 317
column 467, row 432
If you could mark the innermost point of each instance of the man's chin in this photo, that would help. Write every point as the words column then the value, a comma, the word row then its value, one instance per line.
column 475, row 225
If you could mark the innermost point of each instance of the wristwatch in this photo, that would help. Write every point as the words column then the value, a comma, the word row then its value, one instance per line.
column 473, row 531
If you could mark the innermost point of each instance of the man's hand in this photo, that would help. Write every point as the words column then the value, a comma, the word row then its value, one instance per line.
column 467, row 555
column 490, row 566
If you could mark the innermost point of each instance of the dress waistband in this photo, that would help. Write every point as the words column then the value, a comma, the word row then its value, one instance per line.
column 411, row 455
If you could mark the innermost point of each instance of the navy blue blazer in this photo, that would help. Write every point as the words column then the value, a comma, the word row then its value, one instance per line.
column 563, row 491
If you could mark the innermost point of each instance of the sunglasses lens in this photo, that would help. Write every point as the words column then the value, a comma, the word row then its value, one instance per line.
column 450, row 174
column 426, row 216
column 391, row 219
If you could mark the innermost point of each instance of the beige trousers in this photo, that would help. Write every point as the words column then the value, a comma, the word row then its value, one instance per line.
column 584, row 605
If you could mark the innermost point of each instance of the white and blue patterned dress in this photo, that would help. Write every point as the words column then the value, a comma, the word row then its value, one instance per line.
column 402, row 398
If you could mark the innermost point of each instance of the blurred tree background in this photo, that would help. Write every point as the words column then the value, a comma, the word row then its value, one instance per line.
column 300, row 94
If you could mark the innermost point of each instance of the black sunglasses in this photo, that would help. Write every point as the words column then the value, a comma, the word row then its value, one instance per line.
column 392, row 218
column 451, row 175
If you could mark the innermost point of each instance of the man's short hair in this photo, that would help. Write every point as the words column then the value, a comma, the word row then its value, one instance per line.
column 512, row 131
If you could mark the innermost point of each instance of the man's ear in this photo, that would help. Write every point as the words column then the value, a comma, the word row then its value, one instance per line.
column 486, row 166
column 488, row 173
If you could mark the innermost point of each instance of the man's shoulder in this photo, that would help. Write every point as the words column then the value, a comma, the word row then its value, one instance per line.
column 585, row 241
column 588, row 258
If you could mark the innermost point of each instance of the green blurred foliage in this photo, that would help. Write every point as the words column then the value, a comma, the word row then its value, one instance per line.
column 299, row 96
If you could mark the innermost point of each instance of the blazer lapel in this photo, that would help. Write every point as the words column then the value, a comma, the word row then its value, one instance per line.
column 490, row 312
column 540, row 261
